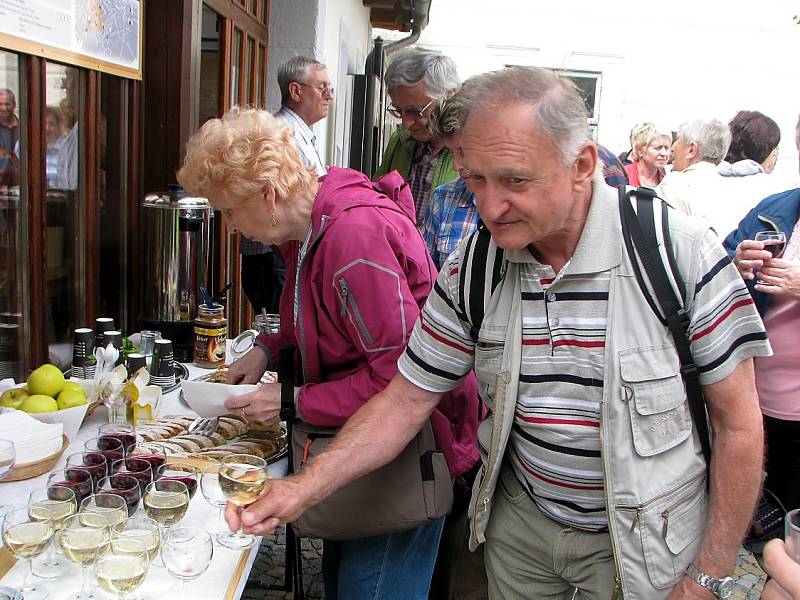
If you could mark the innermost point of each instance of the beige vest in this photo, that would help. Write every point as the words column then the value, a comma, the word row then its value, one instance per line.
column 655, row 475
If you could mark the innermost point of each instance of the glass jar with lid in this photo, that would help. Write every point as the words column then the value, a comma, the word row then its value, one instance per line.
column 210, row 335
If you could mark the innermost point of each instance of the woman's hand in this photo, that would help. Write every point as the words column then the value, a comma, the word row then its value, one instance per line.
column 262, row 405
column 249, row 368
column 784, row 572
column 780, row 277
column 750, row 256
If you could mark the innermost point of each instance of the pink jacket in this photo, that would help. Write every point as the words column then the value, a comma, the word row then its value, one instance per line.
column 365, row 279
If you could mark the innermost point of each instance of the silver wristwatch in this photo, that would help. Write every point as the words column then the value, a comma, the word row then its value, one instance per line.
column 721, row 588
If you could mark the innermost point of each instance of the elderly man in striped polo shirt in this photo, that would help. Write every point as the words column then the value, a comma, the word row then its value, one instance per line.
column 593, row 475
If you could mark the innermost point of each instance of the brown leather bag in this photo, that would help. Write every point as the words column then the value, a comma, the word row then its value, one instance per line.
column 412, row 490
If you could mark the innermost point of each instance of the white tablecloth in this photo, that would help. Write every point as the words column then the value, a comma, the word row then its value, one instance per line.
column 211, row 585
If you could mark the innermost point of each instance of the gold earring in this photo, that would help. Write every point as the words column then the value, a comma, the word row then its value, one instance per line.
column 274, row 220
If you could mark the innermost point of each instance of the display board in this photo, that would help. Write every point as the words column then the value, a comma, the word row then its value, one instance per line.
column 104, row 35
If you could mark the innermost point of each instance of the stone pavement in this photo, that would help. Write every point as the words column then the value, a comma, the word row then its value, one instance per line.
column 268, row 567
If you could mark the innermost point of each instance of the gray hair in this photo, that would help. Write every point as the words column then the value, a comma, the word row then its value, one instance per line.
column 712, row 138
column 558, row 108
column 295, row 69
column 445, row 119
column 412, row 66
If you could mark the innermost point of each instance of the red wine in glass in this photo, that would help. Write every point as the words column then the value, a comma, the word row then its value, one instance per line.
column 775, row 247
column 135, row 467
column 78, row 479
column 125, row 486
column 186, row 478
column 94, row 462
column 128, row 440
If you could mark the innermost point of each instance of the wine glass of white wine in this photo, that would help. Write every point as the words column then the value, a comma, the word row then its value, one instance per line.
column 81, row 537
column 54, row 503
column 242, row 478
column 26, row 539
column 148, row 532
column 212, row 492
column 166, row 501
column 121, row 566
column 187, row 553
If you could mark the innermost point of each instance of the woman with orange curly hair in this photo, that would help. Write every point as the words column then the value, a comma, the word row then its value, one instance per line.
column 358, row 273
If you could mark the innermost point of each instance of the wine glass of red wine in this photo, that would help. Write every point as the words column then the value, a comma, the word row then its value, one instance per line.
column 774, row 242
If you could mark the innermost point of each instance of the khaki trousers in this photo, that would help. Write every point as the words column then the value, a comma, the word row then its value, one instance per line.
column 528, row 555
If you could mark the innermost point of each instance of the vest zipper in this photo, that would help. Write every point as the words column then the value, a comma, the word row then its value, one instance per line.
column 609, row 517
column 348, row 300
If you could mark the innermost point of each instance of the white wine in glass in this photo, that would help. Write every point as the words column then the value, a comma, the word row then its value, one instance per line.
column 110, row 506
column 54, row 503
column 81, row 537
column 242, row 478
column 166, row 502
column 120, row 568
column 212, row 492
column 26, row 539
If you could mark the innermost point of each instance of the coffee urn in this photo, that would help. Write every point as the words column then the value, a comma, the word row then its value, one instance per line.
column 176, row 236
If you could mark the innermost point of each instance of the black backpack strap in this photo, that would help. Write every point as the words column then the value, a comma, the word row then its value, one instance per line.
column 472, row 277
column 286, row 379
column 638, row 230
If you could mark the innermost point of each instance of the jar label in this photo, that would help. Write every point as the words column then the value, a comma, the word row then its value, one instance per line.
column 209, row 345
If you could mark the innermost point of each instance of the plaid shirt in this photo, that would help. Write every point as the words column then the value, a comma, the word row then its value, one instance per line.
column 420, row 176
column 451, row 216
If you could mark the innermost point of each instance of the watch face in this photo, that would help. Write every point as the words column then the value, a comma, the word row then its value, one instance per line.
column 725, row 587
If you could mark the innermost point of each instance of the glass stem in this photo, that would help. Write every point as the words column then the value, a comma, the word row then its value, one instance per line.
column 85, row 589
column 27, row 581
column 220, row 520
column 118, row 414
column 50, row 559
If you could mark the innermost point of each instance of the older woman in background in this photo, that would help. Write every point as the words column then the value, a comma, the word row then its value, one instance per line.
column 358, row 274
column 651, row 147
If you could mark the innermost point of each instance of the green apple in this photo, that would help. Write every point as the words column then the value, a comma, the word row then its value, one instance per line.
column 70, row 398
column 47, row 380
column 74, row 386
column 13, row 398
column 39, row 403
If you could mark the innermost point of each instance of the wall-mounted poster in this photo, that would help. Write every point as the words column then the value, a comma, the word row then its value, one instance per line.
column 104, row 35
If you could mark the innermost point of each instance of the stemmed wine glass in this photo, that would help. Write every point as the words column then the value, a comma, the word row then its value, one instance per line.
column 209, row 485
column 774, row 243
column 166, row 502
column 123, row 432
column 78, row 479
column 138, row 468
column 82, row 535
column 94, row 462
column 187, row 552
column 110, row 506
column 146, row 531
column 242, row 478
column 178, row 471
column 26, row 539
column 53, row 504
column 109, row 447
column 123, row 485
column 152, row 453
column 121, row 566
column 8, row 457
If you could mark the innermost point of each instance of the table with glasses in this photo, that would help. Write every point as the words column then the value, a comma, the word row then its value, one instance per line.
column 227, row 572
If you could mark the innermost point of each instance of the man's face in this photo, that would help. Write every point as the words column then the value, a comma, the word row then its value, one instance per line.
column 314, row 95
column 679, row 159
column 7, row 105
column 523, row 192
column 453, row 143
column 413, row 98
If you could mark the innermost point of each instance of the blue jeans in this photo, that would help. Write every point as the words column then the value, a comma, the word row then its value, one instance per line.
column 397, row 566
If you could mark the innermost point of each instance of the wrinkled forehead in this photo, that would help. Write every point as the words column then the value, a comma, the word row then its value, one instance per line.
column 317, row 74
column 7, row 98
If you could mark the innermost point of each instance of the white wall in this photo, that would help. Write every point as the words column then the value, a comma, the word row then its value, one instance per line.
column 662, row 61
column 335, row 32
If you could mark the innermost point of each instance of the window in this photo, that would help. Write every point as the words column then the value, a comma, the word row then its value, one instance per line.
column 588, row 84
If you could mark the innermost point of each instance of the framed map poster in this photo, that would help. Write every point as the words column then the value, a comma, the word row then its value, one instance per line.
column 104, row 35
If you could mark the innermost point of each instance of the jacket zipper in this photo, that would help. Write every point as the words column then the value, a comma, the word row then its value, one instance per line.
column 348, row 299
column 614, row 552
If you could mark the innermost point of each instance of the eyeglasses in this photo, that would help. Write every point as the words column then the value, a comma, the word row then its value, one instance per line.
column 324, row 90
column 411, row 113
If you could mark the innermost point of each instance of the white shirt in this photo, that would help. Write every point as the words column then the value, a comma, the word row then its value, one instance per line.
column 304, row 138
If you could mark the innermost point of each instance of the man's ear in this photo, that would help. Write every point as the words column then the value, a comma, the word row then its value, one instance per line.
column 294, row 90
column 585, row 164
column 693, row 151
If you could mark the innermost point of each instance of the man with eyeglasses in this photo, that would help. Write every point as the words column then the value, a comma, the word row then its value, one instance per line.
column 306, row 95
column 416, row 79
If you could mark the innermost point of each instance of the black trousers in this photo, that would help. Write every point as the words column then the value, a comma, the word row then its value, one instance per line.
column 262, row 280
column 783, row 460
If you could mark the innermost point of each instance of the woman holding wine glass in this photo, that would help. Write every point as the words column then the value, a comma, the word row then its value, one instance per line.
column 766, row 249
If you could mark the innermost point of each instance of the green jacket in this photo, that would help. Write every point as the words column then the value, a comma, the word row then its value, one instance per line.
column 400, row 151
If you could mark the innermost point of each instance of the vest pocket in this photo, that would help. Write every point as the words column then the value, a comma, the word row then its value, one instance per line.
column 653, row 389
column 671, row 531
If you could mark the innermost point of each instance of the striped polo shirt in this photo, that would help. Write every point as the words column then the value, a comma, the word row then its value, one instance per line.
column 554, row 447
